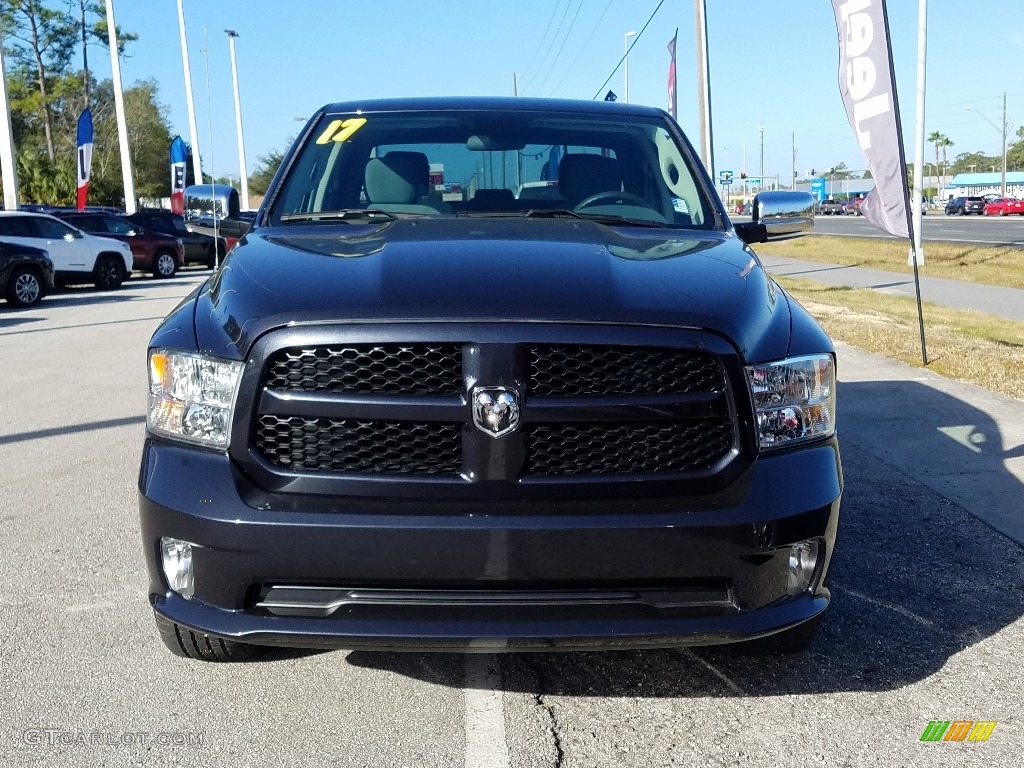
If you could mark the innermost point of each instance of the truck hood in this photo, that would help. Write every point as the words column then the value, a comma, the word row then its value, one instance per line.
column 491, row 270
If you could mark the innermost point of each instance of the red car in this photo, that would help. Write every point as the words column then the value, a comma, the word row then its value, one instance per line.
column 152, row 251
column 1004, row 205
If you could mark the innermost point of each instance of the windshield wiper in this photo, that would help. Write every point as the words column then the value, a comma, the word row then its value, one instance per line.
column 345, row 214
column 600, row 218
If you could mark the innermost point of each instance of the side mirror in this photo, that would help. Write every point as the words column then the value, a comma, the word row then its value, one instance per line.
column 777, row 216
column 214, row 210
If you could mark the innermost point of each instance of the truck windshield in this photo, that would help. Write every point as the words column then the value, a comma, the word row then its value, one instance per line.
column 490, row 163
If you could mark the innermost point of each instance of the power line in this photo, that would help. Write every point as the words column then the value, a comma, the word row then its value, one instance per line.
column 540, row 43
column 561, row 47
column 581, row 50
column 554, row 37
column 635, row 41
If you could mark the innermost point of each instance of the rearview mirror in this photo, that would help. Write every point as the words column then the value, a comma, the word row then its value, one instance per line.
column 488, row 143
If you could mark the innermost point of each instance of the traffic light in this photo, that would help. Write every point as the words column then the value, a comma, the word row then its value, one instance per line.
column 813, row 171
column 743, row 174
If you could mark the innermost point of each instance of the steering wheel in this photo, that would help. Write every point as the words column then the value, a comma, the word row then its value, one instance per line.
column 612, row 197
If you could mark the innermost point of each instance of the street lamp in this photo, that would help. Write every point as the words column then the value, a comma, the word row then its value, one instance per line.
column 243, row 176
column 1003, row 132
column 625, row 64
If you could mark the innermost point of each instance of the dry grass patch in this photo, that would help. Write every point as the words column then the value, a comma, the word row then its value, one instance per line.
column 973, row 264
column 962, row 344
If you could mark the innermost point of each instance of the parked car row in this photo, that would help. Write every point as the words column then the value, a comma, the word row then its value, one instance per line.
column 1004, row 206
column 40, row 250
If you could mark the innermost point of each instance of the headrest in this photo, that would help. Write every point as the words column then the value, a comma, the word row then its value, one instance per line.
column 582, row 175
column 398, row 177
column 493, row 198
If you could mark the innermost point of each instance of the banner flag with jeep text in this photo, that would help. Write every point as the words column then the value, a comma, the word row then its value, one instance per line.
column 179, row 156
column 84, row 142
column 868, row 87
column 673, row 103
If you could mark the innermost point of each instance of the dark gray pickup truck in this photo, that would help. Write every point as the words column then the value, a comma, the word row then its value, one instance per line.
column 419, row 407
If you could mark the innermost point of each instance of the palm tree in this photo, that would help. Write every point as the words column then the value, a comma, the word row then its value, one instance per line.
column 937, row 138
column 946, row 142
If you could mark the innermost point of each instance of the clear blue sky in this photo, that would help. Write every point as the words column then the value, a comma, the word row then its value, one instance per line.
column 773, row 64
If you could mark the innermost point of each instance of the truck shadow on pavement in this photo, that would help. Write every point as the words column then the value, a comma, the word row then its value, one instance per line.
column 916, row 578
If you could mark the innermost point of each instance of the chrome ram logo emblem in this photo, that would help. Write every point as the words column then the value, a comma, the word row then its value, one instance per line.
column 495, row 410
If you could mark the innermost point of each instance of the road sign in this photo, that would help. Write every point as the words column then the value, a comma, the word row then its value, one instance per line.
column 754, row 180
column 725, row 177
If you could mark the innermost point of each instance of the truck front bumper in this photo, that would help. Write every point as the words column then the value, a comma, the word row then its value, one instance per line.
column 487, row 576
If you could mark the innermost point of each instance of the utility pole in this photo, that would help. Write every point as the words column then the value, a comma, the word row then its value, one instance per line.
column 761, row 180
column 1003, row 186
column 793, row 182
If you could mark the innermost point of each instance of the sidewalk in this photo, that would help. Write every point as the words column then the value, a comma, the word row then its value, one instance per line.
column 994, row 300
column 962, row 441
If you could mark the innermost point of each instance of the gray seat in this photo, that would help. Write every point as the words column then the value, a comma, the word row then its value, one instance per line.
column 580, row 176
column 398, row 182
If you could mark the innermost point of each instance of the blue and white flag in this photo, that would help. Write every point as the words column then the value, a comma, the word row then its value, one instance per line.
column 179, row 155
column 84, row 156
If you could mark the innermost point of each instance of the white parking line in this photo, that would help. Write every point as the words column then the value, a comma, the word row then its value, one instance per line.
column 716, row 672
column 882, row 604
column 485, row 713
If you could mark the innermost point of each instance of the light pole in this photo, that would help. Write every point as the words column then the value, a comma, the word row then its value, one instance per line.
column 1002, row 130
column 193, row 130
column 122, row 127
column 243, row 176
column 625, row 65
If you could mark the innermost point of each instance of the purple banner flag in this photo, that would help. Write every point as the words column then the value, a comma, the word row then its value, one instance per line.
column 868, row 87
column 672, row 101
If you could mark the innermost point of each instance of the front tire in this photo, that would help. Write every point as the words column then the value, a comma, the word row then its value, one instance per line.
column 188, row 644
column 24, row 289
column 164, row 264
column 109, row 273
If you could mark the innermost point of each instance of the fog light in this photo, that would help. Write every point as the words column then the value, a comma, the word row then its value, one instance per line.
column 177, row 562
column 803, row 561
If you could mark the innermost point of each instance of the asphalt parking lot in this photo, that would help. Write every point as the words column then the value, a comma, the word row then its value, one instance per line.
column 926, row 623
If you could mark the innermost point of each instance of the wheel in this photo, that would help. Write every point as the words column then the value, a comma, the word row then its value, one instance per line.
column 183, row 642
column 611, row 197
column 164, row 264
column 794, row 640
column 24, row 289
column 109, row 273
column 1002, row 211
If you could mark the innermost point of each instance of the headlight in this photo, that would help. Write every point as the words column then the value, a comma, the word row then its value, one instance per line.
column 794, row 399
column 191, row 396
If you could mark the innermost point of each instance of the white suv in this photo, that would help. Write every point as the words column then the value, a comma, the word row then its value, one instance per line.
column 77, row 256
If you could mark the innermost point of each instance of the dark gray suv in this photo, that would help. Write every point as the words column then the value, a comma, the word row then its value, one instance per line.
column 966, row 205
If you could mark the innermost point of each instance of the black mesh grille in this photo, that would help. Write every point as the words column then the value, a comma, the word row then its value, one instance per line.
column 394, row 369
column 348, row 445
column 571, row 371
column 604, row 449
